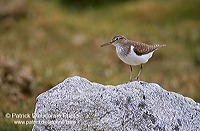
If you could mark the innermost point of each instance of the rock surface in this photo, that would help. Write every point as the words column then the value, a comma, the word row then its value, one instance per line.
column 78, row 104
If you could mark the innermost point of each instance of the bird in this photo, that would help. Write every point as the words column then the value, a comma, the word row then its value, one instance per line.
column 133, row 53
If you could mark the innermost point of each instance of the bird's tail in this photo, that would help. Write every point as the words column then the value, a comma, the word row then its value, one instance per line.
column 162, row 45
column 158, row 46
column 155, row 47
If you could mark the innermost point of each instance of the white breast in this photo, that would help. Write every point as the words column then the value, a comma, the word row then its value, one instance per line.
column 132, row 58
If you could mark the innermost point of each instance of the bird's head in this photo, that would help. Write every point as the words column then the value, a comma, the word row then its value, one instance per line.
column 116, row 40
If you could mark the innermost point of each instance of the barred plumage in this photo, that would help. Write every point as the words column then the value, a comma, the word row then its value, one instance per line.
column 142, row 48
column 132, row 52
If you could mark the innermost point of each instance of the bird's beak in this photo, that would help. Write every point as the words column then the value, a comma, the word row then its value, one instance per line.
column 106, row 44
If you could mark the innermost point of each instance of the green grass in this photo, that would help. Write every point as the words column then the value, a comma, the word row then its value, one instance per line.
column 57, row 42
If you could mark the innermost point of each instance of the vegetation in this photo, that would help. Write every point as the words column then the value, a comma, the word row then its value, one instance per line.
column 45, row 42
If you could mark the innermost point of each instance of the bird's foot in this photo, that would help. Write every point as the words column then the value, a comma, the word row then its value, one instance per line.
column 129, row 81
column 137, row 78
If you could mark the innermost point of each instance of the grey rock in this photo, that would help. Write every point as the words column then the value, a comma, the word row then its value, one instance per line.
column 78, row 104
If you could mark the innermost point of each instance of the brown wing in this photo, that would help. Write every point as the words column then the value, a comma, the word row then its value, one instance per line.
column 142, row 48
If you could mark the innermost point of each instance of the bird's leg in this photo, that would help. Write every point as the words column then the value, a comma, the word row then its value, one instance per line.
column 131, row 73
column 138, row 76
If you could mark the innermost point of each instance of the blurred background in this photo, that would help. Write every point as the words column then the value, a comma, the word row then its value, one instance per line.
column 44, row 42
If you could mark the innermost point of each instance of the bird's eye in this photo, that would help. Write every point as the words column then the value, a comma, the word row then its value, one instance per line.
column 121, row 38
column 117, row 38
